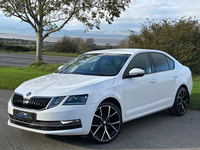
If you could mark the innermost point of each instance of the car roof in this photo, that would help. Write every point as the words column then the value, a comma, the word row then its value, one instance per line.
column 124, row 51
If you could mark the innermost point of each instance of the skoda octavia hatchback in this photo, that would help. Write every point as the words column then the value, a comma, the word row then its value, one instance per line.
column 96, row 92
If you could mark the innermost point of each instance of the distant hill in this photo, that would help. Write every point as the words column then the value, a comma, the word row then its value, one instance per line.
column 75, row 33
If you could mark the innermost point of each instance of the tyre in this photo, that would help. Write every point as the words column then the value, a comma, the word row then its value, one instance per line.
column 181, row 102
column 106, row 123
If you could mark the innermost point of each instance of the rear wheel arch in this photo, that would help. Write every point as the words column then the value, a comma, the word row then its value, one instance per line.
column 183, row 85
column 181, row 101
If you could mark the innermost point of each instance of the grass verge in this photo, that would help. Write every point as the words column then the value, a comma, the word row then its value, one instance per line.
column 12, row 77
column 195, row 97
column 42, row 66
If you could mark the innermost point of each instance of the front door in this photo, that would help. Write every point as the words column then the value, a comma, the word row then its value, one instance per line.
column 141, row 92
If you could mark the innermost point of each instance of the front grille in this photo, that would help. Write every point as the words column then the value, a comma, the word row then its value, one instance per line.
column 18, row 100
column 33, row 103
column 38, row 103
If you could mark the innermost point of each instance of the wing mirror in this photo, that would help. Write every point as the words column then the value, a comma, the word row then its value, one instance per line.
column 135, row 72
column 60, row 67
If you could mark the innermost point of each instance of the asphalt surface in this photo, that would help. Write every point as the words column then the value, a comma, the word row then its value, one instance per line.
column 23, row 60
column 159, row 131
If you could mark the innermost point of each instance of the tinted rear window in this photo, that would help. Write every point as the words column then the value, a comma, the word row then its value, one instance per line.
column 160, row 62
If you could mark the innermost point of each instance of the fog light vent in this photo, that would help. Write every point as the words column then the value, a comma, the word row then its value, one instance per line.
column 70, row 121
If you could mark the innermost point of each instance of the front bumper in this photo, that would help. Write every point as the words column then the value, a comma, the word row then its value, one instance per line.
column 60, row 120
column 45, row 125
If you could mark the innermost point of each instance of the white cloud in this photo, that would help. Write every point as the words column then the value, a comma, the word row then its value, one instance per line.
column 139, row 10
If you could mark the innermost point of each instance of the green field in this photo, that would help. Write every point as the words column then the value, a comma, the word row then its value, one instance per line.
column 12, row 77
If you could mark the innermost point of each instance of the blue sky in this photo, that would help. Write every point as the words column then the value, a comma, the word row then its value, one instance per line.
column 137, row 13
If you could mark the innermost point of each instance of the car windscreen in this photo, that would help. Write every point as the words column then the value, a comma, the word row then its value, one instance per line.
column 95, row 64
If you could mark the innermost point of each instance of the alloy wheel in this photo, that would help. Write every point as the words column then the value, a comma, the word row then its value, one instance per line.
column 183, row 100
column 106, row 123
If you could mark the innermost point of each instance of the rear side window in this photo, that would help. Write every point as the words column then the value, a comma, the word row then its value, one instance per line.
column 160, row 62
column 171, row 63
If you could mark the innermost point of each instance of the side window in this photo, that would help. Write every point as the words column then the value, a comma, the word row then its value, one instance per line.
column 160, row 62
column 171, row 63
column 140, row 61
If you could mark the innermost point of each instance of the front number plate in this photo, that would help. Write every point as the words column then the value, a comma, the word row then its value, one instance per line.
column 25, row 116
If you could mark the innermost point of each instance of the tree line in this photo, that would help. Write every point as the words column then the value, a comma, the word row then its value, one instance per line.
column 74, row 45
column 15, row 48
column 77, row 45
column 180, row 38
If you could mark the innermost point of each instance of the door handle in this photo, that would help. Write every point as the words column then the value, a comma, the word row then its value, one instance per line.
column 153, row 81
column 175, row 76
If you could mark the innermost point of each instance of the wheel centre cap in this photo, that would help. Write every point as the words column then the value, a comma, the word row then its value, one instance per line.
column 104, row 122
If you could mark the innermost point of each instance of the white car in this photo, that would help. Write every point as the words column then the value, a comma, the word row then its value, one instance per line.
column 98, row 91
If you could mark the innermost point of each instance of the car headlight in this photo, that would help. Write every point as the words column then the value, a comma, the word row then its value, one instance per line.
column 56, row 101
column 76, row 100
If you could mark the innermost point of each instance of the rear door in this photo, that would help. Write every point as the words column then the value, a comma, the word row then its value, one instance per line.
column 164, row 68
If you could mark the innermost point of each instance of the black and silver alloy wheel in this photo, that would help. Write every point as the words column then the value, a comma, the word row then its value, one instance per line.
column 106, row 123
column 181, row 102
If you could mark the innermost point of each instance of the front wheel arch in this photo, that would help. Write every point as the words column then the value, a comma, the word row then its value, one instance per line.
column 114, row 101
